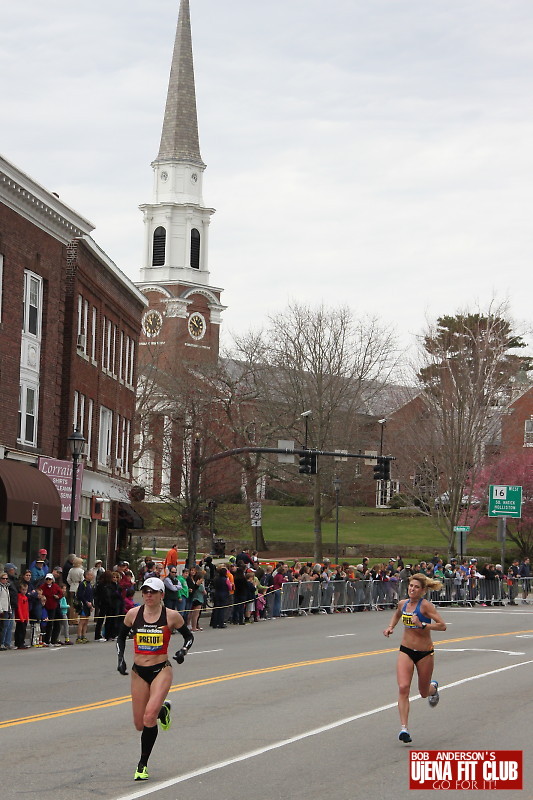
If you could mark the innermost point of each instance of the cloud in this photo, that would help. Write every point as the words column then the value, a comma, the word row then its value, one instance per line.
column 371, row 153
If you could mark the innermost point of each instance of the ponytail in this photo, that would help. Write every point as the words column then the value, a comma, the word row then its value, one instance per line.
column 427, row 583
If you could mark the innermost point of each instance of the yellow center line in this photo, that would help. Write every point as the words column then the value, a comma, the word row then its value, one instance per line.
column 180, row 687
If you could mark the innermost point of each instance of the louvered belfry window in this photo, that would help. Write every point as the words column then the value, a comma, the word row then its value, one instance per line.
column 158, row 253
column 195, row 249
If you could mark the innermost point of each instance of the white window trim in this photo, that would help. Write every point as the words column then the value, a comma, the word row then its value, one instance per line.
column 28, row 278
column 114, row 352
column 108, row 347
column 121, row 358
column 23, row 396
column 126, row 360
column 93, row 339
column 132, row 362
column 1, row 282
column 89, row 429
column 105, row 437
column 528, row 432
column 103, row 341
column 127, row 447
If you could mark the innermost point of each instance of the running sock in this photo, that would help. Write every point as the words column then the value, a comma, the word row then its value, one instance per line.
column 148, row 737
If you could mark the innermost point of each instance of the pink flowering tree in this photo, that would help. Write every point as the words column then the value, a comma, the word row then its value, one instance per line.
column 514, row 469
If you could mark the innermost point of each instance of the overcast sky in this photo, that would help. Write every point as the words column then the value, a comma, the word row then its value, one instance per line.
column 375, row 153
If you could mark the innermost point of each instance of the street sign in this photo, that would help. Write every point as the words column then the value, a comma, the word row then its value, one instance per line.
column 371, row 458
column 255, row 514
column 462, row 529
column 505, row 501
column 285, row 444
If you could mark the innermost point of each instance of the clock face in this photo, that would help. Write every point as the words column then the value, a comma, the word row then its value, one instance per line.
column 164, row 176
column 194, row 177
column 152, row 323
column 197, row 326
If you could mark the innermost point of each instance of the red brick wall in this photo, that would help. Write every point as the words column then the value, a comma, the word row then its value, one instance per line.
column 513, row 423
column 25, row 246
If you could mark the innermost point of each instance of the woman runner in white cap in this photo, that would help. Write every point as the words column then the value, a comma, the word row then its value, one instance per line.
column 152, row 625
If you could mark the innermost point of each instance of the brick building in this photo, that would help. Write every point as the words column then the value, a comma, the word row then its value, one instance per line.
column 517, row 424
column 69, row 331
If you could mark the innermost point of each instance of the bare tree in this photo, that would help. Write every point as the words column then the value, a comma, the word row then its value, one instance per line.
column 177, row 420
column 464, row 379
column 323, row 360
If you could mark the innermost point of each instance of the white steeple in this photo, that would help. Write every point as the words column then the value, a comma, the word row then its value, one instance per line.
column 176, row 221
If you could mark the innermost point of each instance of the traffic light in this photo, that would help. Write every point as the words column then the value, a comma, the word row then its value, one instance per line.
column 308, row 463
column 305, row 464
column 379, row 469
column 382, row 469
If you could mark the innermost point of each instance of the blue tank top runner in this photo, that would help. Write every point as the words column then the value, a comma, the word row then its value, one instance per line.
column 407, row 618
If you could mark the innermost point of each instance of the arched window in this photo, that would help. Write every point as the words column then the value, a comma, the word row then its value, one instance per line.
column 195, row 249
column 158, row 252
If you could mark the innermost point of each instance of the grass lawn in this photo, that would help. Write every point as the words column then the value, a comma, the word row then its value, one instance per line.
column 372, row 532
column 356, row 526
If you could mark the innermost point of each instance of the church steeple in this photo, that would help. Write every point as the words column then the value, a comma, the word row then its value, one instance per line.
column 179, row 137
column 185, row 309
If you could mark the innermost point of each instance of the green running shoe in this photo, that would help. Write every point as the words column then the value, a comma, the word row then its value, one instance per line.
column 164, row 715
column 141, row 774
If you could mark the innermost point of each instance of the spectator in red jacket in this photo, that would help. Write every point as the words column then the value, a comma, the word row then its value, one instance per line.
column 127, row 579
column 279, row 579
column 52, row 593
column 23, row 616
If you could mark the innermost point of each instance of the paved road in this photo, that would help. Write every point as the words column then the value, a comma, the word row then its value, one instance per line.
column 290, row 709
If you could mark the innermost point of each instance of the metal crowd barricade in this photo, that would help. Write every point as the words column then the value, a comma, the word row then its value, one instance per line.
column 512, row 589
column 309, row 596
column 403, row 591
column 358, row 594
column 382, row 595
column 472, row 590
column 339, row 595
column 326, row 596
column 289, row 596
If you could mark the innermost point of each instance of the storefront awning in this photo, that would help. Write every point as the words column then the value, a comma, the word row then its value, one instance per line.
column 128, row 517
column 27, row 496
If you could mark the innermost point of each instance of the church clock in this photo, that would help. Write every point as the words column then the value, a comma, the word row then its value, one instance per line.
column 197, row 326
column 152, row 323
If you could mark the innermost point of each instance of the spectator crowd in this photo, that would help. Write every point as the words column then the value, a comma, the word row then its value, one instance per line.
column 39, row 606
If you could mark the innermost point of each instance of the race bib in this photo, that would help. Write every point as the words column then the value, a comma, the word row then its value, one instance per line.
column 149, row 641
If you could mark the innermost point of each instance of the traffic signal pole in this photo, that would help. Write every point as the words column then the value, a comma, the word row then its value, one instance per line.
column 291, row 451
column 304, row 453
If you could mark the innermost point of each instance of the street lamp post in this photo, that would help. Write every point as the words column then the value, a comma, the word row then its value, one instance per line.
column 337, row 487
column 306, row 415
column 76, row 442
column 382, row 423
column 382, row 489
